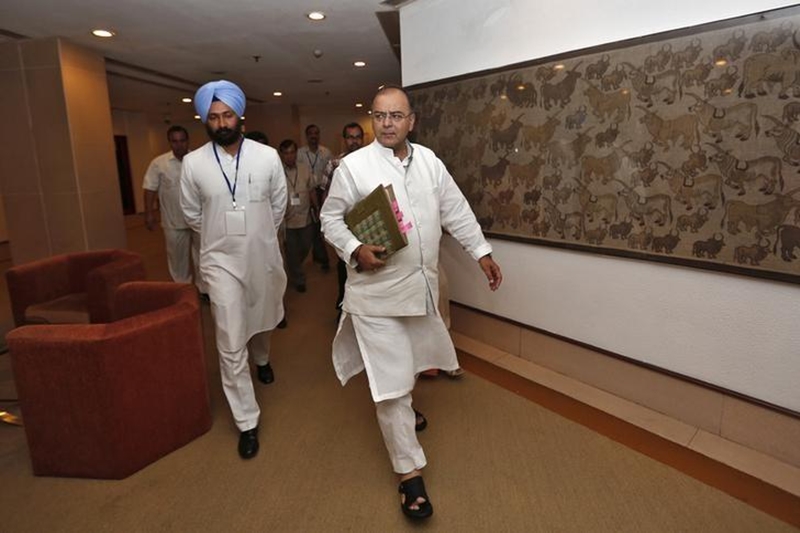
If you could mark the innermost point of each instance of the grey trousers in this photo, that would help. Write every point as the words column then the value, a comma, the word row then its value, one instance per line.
column 298, row 244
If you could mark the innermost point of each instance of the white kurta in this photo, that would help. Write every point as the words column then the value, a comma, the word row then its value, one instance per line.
column 384, row 327
column 164, row 177
column 244, row 273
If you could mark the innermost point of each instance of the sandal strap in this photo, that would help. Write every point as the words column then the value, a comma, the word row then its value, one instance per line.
column 413, row 488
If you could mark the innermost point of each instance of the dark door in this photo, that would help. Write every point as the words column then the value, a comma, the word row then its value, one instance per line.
column 124, row 173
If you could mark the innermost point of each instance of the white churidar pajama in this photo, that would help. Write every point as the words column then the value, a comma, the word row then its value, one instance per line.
column 163, row 176
column 390, row 325
column 244, row 273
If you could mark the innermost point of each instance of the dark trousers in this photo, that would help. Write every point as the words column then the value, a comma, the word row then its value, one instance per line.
column 318, row 251
column 298, row 243
column 341, row 271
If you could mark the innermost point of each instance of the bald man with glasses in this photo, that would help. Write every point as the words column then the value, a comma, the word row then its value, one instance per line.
column 391, row 325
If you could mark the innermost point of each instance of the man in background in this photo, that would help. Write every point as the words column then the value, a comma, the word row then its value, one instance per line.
column 233, row 192
column 162, row 192
column 353, row 135
column 299, row 226
column 316, row 157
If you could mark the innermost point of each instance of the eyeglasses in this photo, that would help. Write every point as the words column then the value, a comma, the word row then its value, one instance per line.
column 394, row 116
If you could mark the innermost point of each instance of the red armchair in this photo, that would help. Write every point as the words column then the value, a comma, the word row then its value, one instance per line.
column 105, row 400
column 70, row 288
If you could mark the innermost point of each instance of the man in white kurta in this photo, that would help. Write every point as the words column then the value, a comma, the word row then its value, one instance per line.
column 162, row 192
column 233, row 192
column 390, row 325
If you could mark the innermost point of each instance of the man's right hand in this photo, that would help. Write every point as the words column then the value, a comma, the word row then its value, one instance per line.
column 150, row 220
column 367, row 258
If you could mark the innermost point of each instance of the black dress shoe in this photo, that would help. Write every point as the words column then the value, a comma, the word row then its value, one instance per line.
column 301, row 287
column 282, row 324
column 248, row 443
column 265, row 374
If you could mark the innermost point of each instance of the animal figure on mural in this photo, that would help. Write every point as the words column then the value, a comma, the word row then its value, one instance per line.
column 596, row 235
column 696, row 162
column 694, row 221
column 649, row 87
column 660, row 60
column 667, row 133
column 688, row 55
column 697, row 75
column 560, row 93
column 621, row 230
column 769, row 41
column 614, row 79
column 789, row 239
column 769, row 69
column 575, row 121
column 506, row 138
column 540, row 135
column 732, row 49
column 596, row 70
column 786, row 139
column 603, row 168
column 656, row 208
column 641, row 157
column 615, row 106
column 709, row 248
column 666, row 243
column 724, row 84
column 753, row 254
column 791, row 112
column 607, row 137
column 764, row 218
column 738, row 119
column 740, row 174
column 641, row 240
column 603, row 206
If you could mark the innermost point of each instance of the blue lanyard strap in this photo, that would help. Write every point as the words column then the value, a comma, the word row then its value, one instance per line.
column 232, row 190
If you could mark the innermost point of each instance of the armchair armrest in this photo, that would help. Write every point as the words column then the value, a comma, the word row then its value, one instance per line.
column 37, row 282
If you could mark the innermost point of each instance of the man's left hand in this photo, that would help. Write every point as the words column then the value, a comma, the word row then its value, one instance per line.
column 492, row 271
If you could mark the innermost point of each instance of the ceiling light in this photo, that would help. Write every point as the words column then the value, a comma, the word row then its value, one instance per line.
column 359, row 64
column 197, row 117
column 277, row 93
column 359, row 104
column 103, row 33
column 186, row 100
column 316, row 15
column 242, row 117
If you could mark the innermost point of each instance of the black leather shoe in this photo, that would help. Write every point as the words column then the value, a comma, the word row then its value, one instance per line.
column 248, row 443
column 301, row 287
column 265, row 374
column 282, row 324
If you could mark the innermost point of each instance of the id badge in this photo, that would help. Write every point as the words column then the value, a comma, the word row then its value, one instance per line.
column 294, row 200
column 235, row 222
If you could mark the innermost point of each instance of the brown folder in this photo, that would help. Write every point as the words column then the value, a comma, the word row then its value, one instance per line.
column 372, row 221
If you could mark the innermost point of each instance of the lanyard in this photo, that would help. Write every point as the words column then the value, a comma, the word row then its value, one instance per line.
column 296, row 175
column 314, row 164
column 232, row 190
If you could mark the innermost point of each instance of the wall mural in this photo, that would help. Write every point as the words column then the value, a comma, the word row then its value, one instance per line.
column 683, row 150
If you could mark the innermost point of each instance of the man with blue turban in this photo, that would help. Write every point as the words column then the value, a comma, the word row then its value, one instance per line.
column 233, row 192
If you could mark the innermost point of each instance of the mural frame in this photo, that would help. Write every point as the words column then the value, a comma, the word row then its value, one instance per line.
column 662, row 198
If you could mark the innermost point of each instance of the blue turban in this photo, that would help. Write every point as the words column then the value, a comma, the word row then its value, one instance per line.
column 226, row 92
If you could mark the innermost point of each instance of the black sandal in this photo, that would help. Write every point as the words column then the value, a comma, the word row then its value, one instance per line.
column 420, row 421
column 413, row 489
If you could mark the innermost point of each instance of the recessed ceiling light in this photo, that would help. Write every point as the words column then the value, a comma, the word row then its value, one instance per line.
column 197, row 117
column 186, row 100
column 359, row 64
column 242, row 117
column 103, row 33
column 369, row 112
column 359, row 104
column 277, row 93
column 316, row 15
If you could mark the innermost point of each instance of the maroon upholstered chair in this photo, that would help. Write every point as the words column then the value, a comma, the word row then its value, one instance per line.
column 70, row 288
column 105, row 400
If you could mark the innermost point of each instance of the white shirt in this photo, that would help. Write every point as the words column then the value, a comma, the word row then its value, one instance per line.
column 238, row 267
column 429, row 198
column 164, row 176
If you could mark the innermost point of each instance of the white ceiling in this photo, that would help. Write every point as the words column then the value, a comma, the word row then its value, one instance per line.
column 189, row 42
